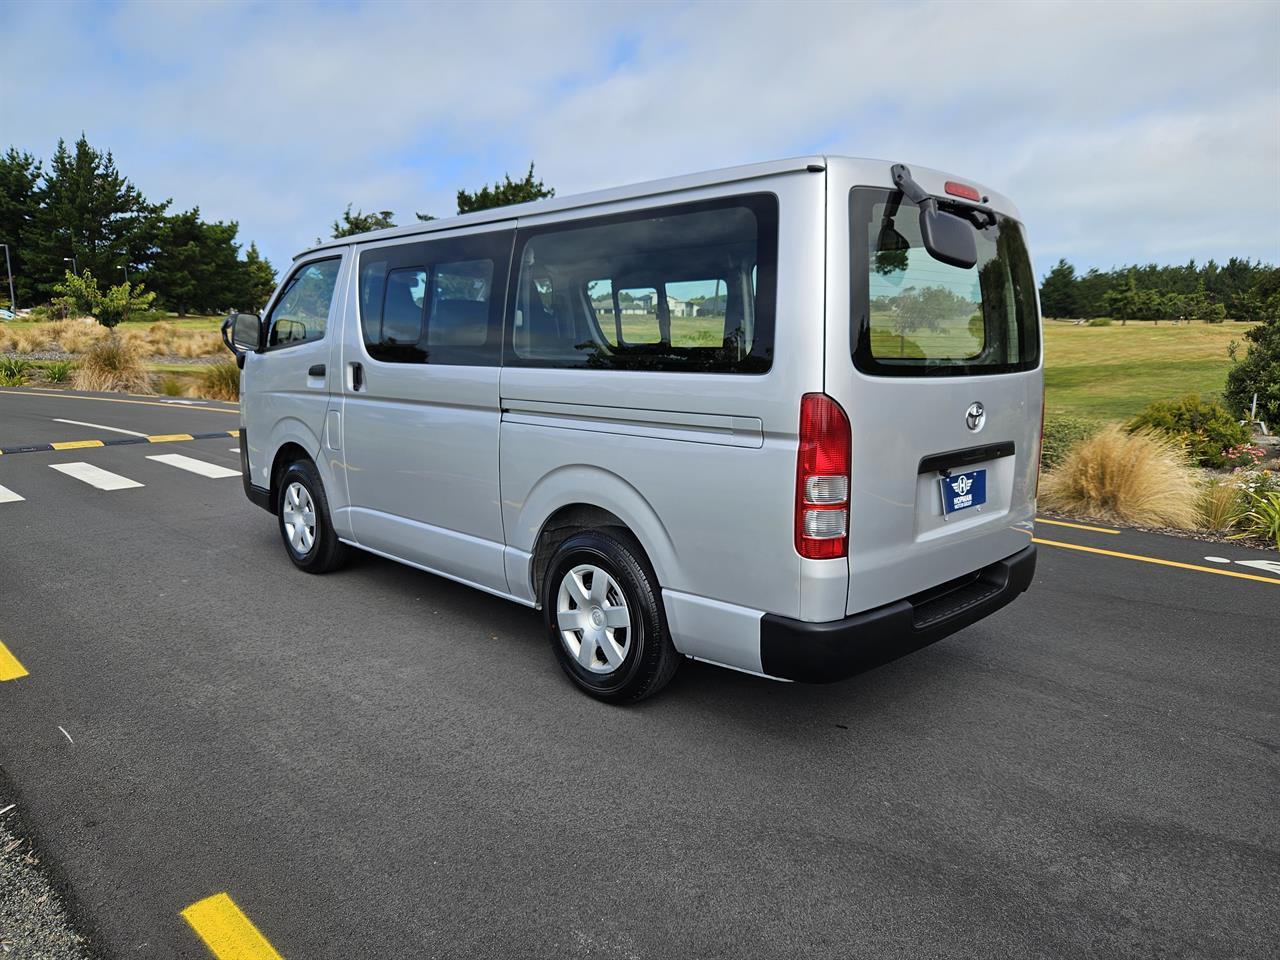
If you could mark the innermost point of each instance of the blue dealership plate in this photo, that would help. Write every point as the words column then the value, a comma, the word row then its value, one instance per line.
column 960, row 491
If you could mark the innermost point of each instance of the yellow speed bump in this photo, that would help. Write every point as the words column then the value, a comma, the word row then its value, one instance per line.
column 169, row 437
column 76, row 444
column 226, row 931
column 10, row 668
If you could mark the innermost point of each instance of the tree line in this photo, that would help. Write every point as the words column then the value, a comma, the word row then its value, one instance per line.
column 79, row 214
column 1241, row 289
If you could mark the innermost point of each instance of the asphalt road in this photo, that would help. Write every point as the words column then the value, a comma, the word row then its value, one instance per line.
column 383, row 764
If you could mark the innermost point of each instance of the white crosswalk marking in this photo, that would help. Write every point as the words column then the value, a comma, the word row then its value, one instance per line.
column 8, row 496
column 95, row 476
column 194, row 466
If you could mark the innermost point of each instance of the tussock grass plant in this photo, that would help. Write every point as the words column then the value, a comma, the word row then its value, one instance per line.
column 1220, row 505
column 1140, row 477
column 220, row 381
column 112, row 364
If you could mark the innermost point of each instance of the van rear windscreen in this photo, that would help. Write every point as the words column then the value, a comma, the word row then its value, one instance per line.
column 916, row 316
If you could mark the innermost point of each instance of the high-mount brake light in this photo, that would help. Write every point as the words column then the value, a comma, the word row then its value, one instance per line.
column 822, row 479
column 962, row 190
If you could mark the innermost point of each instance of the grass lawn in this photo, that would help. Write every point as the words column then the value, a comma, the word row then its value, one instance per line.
column 1111, row 373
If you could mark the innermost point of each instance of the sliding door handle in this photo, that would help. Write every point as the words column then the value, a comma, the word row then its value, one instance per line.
column 357, row 377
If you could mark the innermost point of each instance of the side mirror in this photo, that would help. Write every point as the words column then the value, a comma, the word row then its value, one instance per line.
column 242, row 332
column 948, row 238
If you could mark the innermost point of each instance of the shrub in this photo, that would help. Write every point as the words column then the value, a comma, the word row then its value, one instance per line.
column 1263, row 519
column 1220, row 505
column 112, row 364
column 1258, row 372
column 13, row 371
column 1061, row 434
column 1205, row 428
column 1140, row 476
column 220, row 381
column 1100, row 322
column 58, row 371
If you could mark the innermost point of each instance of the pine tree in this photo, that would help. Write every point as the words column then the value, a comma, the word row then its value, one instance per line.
column 19, row 179
column 88, row 211
column 1058, row 292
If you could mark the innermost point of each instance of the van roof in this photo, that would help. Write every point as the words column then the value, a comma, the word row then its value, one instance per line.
column 649, row 188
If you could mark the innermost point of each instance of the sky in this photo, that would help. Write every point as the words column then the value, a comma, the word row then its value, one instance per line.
column 1125, row 132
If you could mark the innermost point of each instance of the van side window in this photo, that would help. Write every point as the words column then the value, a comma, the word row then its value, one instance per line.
column 681, row 288
column 435, row 302
column 302, row 310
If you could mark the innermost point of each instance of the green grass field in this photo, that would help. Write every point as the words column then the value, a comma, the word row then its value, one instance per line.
column 1112, row 373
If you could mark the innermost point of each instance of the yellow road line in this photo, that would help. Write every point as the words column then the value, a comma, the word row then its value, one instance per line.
column 144, row 403
column 1076, row 526
column 1163, row 563
column 169, row 437
column 76, row 444
column 10, row 668
column 227, row 931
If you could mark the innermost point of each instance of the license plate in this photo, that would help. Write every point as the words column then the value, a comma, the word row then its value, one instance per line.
column 960, row 491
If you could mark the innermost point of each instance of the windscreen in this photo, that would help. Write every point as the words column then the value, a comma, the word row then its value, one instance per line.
column 916, row 316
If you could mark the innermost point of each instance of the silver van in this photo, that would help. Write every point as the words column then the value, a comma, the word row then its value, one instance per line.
column 783, row 418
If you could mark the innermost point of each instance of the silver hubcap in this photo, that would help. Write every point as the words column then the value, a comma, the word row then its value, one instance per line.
column 595, row 625
column 299, row 516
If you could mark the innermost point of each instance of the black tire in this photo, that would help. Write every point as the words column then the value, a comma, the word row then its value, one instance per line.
column 326, row 552
column 650, row 660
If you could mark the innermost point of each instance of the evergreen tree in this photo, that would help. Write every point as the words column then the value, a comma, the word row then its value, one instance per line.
column 19, row 179
column 259, row 280
column 360, row 222
column 1058, row 292
column 88, row 211
column 197, row 267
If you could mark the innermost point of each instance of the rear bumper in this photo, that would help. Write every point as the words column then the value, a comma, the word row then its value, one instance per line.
column 824, row 652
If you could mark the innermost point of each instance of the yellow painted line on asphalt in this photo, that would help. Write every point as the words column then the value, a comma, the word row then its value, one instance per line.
column 169, row 437
column 233, row 433
column 76, row 444
column 1163, row 563
column 226, row 931
column 143, row 403
column 10, row 668
column 1076, row 526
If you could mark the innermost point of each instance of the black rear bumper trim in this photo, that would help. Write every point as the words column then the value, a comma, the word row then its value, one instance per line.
column 837, row 649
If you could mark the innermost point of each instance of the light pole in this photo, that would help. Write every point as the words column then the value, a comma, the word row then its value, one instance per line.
column 74, row 267
column 8, row 269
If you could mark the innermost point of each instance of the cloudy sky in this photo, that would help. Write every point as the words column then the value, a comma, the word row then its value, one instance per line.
column 1124, row 131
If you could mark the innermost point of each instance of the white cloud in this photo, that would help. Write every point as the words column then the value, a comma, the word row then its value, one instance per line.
column 1124, row 131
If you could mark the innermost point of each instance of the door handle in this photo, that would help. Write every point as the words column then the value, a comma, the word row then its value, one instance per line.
column 316, row 370
column 357, row 376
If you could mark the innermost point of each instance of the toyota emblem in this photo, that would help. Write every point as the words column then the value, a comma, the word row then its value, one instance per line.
column 975, row 416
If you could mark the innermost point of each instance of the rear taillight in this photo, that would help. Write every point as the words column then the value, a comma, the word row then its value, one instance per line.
column 822, row 479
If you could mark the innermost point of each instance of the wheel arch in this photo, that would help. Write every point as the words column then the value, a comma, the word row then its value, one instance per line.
column 579, row 497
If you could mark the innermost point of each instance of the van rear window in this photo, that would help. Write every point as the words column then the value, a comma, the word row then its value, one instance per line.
column 916, row 316
column 686, row 288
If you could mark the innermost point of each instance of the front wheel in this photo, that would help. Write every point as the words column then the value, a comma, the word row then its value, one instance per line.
column 305, row 527
column 604, row 618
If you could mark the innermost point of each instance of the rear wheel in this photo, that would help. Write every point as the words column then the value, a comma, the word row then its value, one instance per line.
column 305, row 527
column 604, row 618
